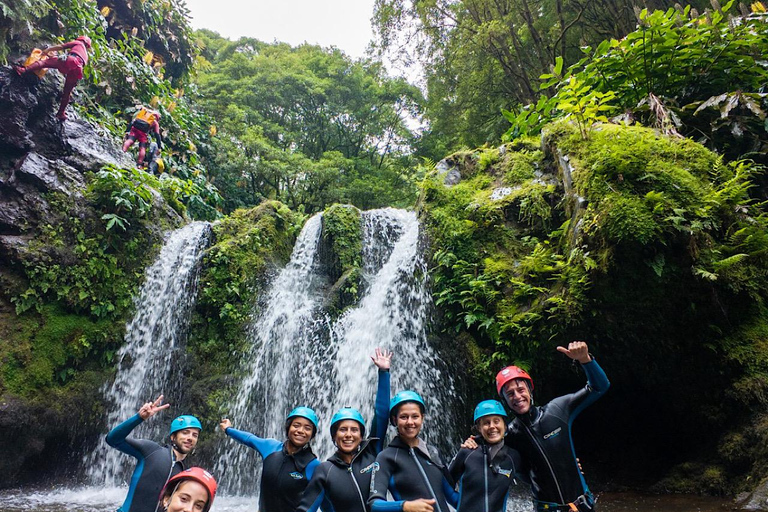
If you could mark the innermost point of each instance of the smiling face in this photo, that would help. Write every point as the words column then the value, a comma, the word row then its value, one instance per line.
column 300, row 431
column 492, row 428
column 185, row 440
column 348, row 436
column 409, row 420
column 189, row 496
column 518, row 396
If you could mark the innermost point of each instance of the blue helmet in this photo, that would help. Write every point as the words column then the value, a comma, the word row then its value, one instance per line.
column 302, row 412
column 185, row 421
column 401, row 398
column 346, row 413
column 489, row 408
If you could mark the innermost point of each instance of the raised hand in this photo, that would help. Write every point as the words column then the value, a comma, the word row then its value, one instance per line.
column 149, row 409
column 382, row 359
column 225, row 424
column 470, row 443
column 577, row 350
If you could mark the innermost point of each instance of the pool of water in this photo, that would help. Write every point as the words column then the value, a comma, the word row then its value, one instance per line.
column 107, row 499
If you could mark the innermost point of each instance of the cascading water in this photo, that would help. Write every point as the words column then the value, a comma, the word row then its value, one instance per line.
column 299, row 357
column 154, row 338
column 288, row 327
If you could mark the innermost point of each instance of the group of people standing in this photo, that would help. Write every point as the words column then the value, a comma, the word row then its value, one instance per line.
column 71, row 64
column 534, row 444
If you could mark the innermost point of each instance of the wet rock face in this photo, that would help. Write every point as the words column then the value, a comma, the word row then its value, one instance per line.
column 39, row 155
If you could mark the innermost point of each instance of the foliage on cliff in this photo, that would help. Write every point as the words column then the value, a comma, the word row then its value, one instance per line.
column 647, row 246
column 697, row 75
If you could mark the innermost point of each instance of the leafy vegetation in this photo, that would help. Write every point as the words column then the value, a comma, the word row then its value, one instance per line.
column 306, row 126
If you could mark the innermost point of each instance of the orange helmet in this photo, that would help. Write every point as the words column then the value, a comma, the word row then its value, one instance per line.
column 200, row 476
column 511, row 373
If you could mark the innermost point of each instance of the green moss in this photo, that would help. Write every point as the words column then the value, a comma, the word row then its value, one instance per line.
column 521, row 166
column 486, row 158
column 247, row 244
column 342, row 232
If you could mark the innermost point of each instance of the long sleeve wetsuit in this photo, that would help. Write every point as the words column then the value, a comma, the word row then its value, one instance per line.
column 543, row 437
column 155, row 465
column 410, row 474
column 342, row 487
column 284, row 476
column 484, row 476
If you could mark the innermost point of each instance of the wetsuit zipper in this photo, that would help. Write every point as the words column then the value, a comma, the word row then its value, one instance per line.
column 546, row 459
column 485, row 475
column 426, row 480
column 170, row 471
column 357, row 486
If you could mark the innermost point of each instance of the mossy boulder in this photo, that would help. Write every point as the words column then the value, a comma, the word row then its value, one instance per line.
column 650, row 248
column 341, row 254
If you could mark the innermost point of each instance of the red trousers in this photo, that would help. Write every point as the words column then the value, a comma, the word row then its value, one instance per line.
column 71, row 68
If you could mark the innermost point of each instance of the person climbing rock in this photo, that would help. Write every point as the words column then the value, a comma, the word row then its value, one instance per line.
column 191, row 490
column 344, row 480
column 156, row 463
column 408, row 468
column 70, row 65
column 156, row 164
column 139, row 126
column 542, row 434
column 288, row 465
column 485, row 475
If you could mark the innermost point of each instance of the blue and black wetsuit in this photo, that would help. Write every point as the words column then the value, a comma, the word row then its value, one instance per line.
column 484, row 476
column 410, row 474
column 156, row 464
column 284, row 476
column 543, row 437
column 342, row 487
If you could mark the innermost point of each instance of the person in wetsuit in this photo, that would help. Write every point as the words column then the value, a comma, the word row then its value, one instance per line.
column 71, row 66
column 342, row 483
column 409, row 468
column 144, row 121
column 484, row 475
column 288, row 465
column 191, row 490
column 542, row 434
column 156, row 463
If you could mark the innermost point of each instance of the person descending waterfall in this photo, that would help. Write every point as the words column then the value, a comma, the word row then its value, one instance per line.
column 484, row 476
column 355, row 457
column 156, row 463
column 138, row 127
column 70, row 65
column 288, row 465
column 542, row 434
column 192, row 490
column 409, row 468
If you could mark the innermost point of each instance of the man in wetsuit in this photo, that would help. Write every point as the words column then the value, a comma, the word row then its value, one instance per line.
column 542, row 434
column 156, row 463
column 71, row 66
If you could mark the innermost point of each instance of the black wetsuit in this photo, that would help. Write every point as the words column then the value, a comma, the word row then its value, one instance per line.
column 156, row 464
column 410, row 474
column 484, row 476
column 342, row 487
column 284, row 476
column 543, row 438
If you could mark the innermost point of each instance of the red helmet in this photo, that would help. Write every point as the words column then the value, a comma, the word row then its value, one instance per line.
column 511, row 373
column 85, row 39
column 198, row 475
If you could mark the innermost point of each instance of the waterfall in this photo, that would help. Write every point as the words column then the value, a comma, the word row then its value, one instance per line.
column 154, row 338
column 301, row 357
column 286, row 334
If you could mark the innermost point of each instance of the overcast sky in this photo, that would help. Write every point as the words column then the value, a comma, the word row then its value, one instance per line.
column 345, row 24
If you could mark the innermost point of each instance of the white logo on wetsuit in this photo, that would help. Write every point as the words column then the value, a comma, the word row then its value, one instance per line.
column 296, row 475
column 553, row 433
column 370, row 467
